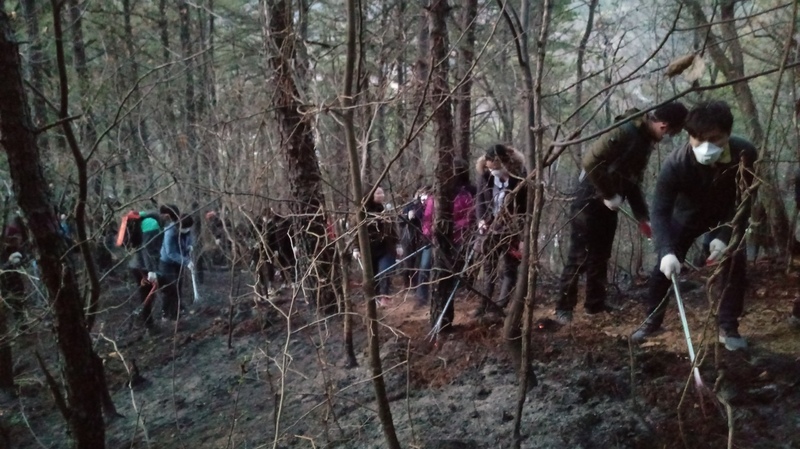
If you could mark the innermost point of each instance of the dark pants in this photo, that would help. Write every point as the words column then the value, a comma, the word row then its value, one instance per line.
column 590, row 242
column 734, row 282
column 494, row 248
column 424, row 275
column 142, row 292
column 411, row 240
column 381, row 262
column 169, row 282
column 12, row 286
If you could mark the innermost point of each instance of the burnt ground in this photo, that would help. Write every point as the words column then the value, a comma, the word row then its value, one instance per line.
column 288, row 373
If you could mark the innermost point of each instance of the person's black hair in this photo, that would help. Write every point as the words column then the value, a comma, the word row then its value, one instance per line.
column 497, row 151
column 673, row 114
column 171, row 210
column 707, row 117
column 186, row 222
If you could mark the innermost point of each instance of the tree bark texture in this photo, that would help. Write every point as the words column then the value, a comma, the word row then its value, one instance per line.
column 36, row 66
column 445, row 149
column 297, row 142
column 463, row 92
column 84, row 397
column 373, row 328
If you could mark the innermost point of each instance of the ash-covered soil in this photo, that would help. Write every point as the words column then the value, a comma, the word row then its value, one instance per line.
column 284, row 383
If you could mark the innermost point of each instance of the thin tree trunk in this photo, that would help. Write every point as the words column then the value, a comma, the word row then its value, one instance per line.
column 464, row 90
column 36, row 65
column 80, row 63
column 373, row 328
column 445, row 150
column 188, row 143
column 84, row 396
column 137, row 126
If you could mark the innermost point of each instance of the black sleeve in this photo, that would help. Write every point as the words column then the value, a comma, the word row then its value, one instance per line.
column 635, row 197
column 667, row 188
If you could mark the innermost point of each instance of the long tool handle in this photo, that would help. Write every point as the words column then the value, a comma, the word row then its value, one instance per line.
column 401, row 261
column 685, row 325
column 438, row 326
column 194, row 286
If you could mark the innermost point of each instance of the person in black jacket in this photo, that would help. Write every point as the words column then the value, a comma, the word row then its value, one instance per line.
column 701, row 188
column 613, row 171
column 500, row 212
column 384, row 245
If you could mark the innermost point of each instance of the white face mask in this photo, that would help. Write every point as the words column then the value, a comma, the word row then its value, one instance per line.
column 423, row 198
column 707, row 153
column 497, row 173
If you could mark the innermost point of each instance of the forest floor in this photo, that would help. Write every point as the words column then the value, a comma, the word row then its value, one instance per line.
column 285, row 384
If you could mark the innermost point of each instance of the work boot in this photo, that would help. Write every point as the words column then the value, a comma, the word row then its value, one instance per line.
column 563, row 317
column 646, row 330
column 732, row 340
column 600, row 308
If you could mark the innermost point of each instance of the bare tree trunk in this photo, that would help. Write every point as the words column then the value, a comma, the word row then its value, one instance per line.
column 36, row 65
column 579, row 117
column 84, row 396
column 80, row 63
column 518, row 324
column 188, row 143
column 297, row 142
column 445, row 149
column 373, row 329
column 137, row 125
column 463, row 92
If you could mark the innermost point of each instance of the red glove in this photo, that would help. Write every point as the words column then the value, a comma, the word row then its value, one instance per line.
column 133, row 215
column 644, row 228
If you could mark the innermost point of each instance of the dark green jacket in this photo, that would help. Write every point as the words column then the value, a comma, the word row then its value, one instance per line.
column 616, row 163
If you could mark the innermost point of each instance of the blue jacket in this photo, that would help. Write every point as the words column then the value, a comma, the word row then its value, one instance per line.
column 175, row 248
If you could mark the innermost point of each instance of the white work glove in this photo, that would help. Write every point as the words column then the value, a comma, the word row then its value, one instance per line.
column 399, row 252
column 717, row 249
column 218, row 242
column 670, row 265
column 613, row 203
column 190, row 266
column 152, row 277
column 356, row 254
column 15, row 258
column 482, row 228
column 411, row 214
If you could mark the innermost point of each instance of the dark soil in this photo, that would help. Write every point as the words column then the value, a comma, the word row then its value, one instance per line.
column 284, row 383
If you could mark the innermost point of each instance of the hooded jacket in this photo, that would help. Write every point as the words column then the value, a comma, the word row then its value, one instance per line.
column 513, row 204
column 698, row 198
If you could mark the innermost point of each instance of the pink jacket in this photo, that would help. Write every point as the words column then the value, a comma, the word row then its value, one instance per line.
column 463, row 215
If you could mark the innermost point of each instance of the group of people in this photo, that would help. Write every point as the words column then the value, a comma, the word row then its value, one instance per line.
column 703, row 189
column 159, row 256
